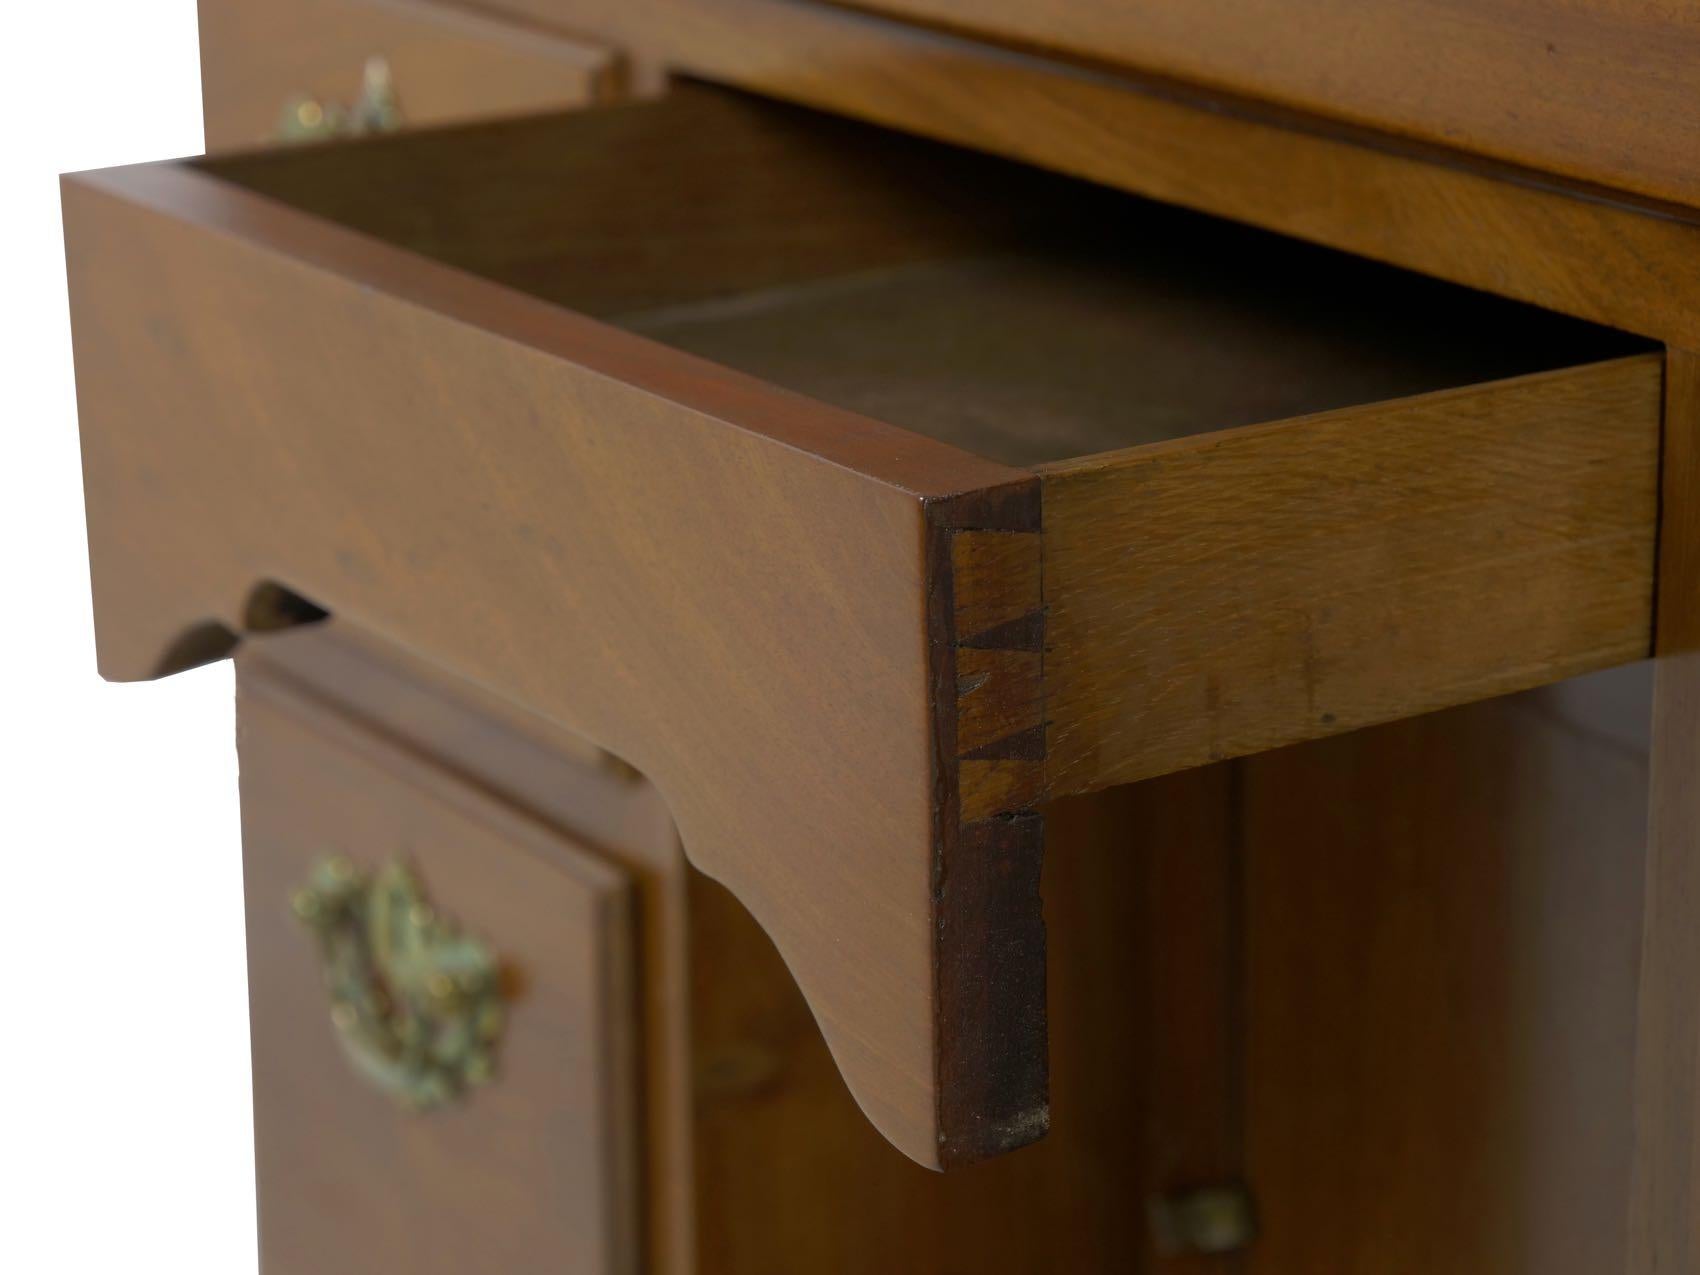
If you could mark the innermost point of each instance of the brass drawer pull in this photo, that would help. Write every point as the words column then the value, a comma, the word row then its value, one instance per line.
column 416, row 1004
column 376, row 110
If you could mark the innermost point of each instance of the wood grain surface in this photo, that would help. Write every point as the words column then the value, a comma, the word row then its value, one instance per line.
column 1664, row 1226
column 1579, row 248
column 467, row 738
column 859, row 268
column 1594, row 89
column 733, row 195
column 1441, row 939
column 1139, row 1071
column 1112, row 322
column 726, row 586
column 448, row 62
column 538, row 1170
column 1286, row 581
column 1140, row 981
column 1416, row 946
column 1394, row 979
column 841, row 624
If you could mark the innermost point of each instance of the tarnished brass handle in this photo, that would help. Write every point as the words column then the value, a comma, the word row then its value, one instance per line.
column 416, row 1004
column 376, row 110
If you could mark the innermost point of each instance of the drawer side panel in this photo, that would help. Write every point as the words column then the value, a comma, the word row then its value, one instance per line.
column 1250, row 589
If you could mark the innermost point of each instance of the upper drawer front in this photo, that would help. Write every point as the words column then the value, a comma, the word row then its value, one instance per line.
column 272, row 71
column 861, row 492
column 533, row 1171
column 1601, row 90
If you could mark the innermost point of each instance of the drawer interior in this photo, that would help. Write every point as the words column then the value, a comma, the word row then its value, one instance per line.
column 1021, row 315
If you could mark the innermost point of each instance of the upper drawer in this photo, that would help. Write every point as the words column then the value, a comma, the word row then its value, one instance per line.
column 1601, row 90
column 862, row 492
column 283, row 71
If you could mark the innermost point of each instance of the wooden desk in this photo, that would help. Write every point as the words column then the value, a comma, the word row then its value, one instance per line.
column 929, row 466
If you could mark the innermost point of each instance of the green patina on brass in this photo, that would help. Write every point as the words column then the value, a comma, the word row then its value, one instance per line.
column 416, row 1004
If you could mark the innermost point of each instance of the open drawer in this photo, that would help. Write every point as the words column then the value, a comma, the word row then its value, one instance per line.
column 863, row 492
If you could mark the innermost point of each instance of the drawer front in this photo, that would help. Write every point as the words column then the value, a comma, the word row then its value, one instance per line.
column 1600, row 90
column 273, row 71
column 529, row 1171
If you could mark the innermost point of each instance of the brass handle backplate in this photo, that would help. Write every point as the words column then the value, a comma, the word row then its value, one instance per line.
column 416, row 1004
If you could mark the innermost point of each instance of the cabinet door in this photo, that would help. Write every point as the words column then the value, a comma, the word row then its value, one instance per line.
column 529, row 1171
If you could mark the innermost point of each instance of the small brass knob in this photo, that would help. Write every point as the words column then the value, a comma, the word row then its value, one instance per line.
column 376, row 110
column 1211, row 1219
column 416, row 1004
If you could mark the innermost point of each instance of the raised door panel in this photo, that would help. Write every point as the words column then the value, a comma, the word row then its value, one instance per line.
column 531, row 1172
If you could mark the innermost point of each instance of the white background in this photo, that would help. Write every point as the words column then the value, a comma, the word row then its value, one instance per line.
column 125, row 1140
